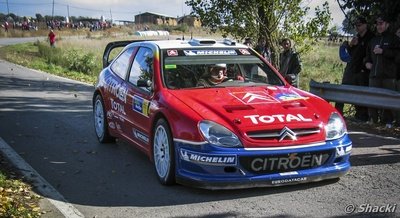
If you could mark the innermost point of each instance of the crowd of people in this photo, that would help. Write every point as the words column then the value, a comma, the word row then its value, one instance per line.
column 373, row 59
column 55, row 25
column 289, row 60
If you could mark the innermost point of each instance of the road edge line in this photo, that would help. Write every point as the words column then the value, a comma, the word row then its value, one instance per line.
column 45, row 188
column 374, row 135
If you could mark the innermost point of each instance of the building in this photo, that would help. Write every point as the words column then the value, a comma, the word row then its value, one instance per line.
column 190, row 20
column 155, row 18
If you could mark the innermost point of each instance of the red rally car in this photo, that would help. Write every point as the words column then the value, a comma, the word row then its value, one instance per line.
column 214, row 114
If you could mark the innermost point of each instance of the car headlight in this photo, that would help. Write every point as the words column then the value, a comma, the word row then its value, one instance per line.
column 218, row 135
column 335, row 127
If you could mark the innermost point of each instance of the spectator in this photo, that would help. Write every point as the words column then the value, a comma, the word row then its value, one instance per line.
column 290, row 64
column 52, row 38
column 248, row 42
column 6, row 26
column 397, row 116
column 262, row 49
column 355, row 72
column 215, row 75
column 380, row 60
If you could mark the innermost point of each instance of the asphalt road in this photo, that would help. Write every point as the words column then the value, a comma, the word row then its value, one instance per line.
column 48, row 121
column 12, row 41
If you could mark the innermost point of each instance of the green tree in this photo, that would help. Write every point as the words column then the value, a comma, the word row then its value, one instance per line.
column 3, row 17
column 39, row 18
column 370, row 9
column 14, row 17
column 268, row 19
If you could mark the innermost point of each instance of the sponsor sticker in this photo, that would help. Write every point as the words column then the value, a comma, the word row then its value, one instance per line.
column 172, row 52
column 209, row 52
column 244, row 51
column 343, row 150
column 291, row 162
column 141, row 105
column 289, row 173
column 290, row 180
column 115, row 88
column 141, row 136
column 170, row 66
column 209, row 159
column 118, row 127
column 281, row 118
column 111, row 125
column 109, row 115
column 288, row 97
column 117, row 106
column 259, row 97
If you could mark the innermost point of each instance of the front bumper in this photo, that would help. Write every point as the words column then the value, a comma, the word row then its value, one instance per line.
column 210, row 167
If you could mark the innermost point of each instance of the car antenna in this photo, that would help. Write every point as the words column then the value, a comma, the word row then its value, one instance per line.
column 191, row 35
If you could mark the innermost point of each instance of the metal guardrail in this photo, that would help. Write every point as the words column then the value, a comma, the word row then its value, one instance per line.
column 357, row 95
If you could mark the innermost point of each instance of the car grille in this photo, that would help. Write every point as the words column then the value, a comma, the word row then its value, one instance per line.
column 267, row 164
column 277, row 134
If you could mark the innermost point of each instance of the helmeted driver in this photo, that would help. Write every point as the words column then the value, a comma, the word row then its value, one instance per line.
column 216, row 74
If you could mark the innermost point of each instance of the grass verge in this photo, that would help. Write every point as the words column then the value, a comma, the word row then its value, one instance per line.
column 72, row 63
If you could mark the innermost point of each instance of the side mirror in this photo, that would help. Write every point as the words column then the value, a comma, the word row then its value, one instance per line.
column 144, row 83
column 289, row 79
column 109, row 62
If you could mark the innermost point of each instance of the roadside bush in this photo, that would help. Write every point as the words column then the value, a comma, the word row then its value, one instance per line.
column 50, row 54
column 72, row 59
column 78, row 60
column 183, row 28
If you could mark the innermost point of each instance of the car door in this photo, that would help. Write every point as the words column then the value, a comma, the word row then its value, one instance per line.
column 139, row 98
column 117, row 90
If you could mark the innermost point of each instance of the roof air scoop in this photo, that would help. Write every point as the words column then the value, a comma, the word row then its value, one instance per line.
column 229, row 41
column 202, row 42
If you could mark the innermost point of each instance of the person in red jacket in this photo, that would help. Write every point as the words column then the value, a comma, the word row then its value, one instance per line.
column 52, row 38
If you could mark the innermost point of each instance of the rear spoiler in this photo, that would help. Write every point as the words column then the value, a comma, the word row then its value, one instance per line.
column 112, row 45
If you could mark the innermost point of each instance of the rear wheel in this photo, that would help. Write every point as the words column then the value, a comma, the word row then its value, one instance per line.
column 163, row 153
column 100, row 121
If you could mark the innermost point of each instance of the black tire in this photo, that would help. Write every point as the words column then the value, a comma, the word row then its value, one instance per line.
column 164, row 153
column 100, row 121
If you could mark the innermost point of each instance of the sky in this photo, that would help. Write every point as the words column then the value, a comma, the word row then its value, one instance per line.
column 118, row 9
column 122, row 9
column 337, row 14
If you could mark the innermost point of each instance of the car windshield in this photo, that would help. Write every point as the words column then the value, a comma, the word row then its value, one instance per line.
column 205, row 68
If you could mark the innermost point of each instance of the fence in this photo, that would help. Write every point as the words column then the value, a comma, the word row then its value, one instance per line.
column 357, row 95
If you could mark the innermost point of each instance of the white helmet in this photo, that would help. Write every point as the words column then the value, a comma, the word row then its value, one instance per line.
column 217, row 77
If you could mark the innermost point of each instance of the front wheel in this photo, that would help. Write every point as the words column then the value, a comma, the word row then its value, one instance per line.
column 163, row 153
column 100, row 121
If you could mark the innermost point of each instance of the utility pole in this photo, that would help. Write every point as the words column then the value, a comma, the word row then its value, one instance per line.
column 68, row 11
column 68, row 15
column 111, row 15
column 52, row 12
column 8, row 9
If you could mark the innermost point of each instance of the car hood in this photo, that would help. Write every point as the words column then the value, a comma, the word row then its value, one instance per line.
column 254, row 111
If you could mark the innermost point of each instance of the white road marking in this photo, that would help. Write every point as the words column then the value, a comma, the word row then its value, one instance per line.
column 374, row 135
column 47, row 190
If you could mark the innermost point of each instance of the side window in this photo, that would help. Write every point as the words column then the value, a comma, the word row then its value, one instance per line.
column 142, row 67
column 255, row 73
column 121, row 64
